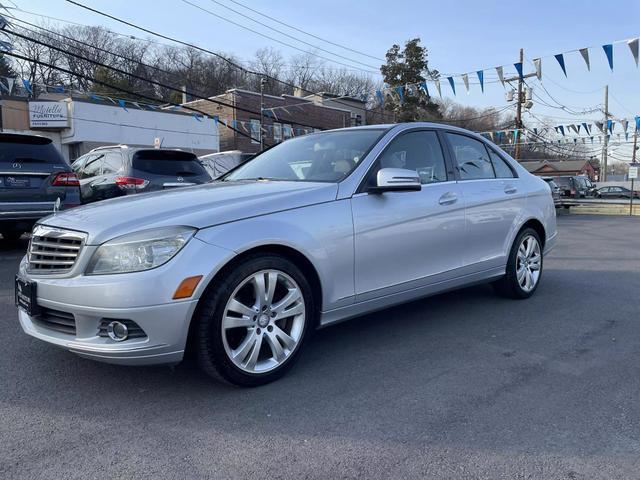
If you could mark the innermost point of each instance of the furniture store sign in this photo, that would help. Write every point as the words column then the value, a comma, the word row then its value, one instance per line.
column 48, row 115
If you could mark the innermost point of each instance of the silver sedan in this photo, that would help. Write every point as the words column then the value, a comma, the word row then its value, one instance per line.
column 314, row 231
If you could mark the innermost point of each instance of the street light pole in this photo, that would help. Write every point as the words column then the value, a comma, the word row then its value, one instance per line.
column 605, row 145
column 519, row 108
column 263, row 81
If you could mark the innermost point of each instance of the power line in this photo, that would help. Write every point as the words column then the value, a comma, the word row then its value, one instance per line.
column 108, row 85
column 271, row 38
column 276, row 30
column 305, row 32
column 187, row 44
column 138, row 77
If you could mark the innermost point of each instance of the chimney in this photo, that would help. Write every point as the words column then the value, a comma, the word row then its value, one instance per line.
column 298, row 92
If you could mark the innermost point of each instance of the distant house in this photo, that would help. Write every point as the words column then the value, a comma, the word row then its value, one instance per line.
column 285, row 116
column 557, row 168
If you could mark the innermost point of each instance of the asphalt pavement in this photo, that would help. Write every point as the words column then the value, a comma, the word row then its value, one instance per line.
column 463, row 385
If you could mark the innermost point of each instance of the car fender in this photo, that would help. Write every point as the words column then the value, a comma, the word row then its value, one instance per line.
column 323, row 233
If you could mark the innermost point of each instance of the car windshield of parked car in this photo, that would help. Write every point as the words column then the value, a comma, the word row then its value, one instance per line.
column 320, row 157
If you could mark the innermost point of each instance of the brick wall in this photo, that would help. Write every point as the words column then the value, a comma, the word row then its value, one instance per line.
column 300, row 114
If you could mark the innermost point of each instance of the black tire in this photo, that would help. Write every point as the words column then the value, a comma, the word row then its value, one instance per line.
column 207, row 331
column 508, row 286
column 11, row 236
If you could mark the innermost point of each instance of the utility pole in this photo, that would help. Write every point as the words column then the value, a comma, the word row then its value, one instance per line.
column 605, row 145
column 263, row 81
column 521, row 101
column 519, row 107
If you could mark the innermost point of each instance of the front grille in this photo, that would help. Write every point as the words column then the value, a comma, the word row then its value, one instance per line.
column 132, row 327
column 53, row 250
column 62, row 322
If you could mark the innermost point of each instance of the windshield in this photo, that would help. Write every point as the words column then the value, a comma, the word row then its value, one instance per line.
column 321, row 157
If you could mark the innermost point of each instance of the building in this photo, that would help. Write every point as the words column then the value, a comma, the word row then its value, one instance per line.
column 77, row 125
column 356, row 107
column 557, row 168
column 285, row 116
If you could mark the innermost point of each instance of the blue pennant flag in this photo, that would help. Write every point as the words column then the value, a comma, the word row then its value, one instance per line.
column 515, row 135
column 591, row 139
column 586, row 127
column 423, row 87
column 122, row 103
column 197, row 116
column 608, row 51
column 380, row 97
column 215, row 121
column 610, row 126
column 95, row 97
column 499, row 137
column 452, row 83
column 626, row 135
column 58, row 89
column 535, row 131
column 234, row 123
column 561, row 129
column 400, row 91
column 560, row 59
column 519, row 69
column 27, row 86
column 637, row 122
column 481, row 79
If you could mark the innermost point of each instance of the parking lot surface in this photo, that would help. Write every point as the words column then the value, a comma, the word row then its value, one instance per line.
column 463, row 385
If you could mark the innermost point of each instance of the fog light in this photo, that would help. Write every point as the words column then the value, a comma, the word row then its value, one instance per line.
column 117, row 331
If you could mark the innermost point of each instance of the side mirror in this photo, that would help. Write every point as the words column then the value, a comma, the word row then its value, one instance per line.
column 396, row 180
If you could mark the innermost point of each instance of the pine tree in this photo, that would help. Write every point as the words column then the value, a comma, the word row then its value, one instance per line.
column 409, row 66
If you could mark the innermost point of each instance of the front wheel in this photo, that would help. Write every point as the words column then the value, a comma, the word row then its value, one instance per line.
column 524, row 266
column 251, row 327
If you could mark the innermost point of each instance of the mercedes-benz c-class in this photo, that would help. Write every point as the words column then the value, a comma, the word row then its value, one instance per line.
column 313, row 231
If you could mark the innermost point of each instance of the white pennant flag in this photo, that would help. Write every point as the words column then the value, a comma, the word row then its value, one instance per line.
column 437, row 82
column 625, row 125
column 538, row 64
column 10, row 82
column 585, row 55
column 500, row 74
column 633, row 46
column 465, row 79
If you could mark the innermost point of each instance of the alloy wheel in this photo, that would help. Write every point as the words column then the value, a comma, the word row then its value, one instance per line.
column 529, row 263
column 263, row 321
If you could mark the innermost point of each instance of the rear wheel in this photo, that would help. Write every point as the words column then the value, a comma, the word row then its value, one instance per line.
column 524, row 266
column 250, row 330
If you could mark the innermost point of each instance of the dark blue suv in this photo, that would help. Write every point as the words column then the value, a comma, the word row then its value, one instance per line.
column 34, row 182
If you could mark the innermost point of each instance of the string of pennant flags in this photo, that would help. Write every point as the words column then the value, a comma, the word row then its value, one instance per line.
column 401, row 91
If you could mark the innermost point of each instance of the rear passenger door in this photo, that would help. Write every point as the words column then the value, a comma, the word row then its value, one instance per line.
column 493, row 199
column 91, row 170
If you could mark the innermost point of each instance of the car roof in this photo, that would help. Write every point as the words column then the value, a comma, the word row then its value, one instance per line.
column 25, row 139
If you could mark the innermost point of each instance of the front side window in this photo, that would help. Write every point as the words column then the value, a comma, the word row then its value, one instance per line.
column 323, row 157
column 471, row 157
column 418, row 151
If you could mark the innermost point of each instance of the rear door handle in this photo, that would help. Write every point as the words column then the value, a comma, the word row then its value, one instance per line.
column 509, row 189
column 448, row 198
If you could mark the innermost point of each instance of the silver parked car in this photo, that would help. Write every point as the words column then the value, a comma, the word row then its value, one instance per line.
column 316, row 230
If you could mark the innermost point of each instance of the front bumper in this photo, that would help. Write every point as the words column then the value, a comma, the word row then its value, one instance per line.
column 166, row 327
column 142, row 297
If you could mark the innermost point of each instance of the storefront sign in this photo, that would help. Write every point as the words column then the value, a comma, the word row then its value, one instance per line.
column 48, row 115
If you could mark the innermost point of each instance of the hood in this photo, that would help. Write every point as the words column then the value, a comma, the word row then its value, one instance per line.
column 199, row 206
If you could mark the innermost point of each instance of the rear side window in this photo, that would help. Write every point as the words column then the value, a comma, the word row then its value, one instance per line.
column 170, row 163
column 93, row 166
column 471, row 157
column 24, row 150
column 112, row 162
column 500, row 166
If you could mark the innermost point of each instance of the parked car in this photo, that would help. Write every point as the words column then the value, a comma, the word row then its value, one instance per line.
column 575, row 186
column 555, row 190
column 315, row 230
column 615, row 192
column 217, row 164
column 108, row 172
column 34, row 178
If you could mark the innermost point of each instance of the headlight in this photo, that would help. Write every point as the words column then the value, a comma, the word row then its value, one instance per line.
column 139, row 251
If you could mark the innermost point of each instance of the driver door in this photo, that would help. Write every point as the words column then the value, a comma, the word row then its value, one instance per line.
column 405, row 240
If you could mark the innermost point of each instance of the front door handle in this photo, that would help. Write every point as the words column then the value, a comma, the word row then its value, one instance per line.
column 448, row 198
column 509, row 189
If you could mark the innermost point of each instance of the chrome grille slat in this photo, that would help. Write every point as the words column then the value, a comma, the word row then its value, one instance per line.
column 53, row 250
